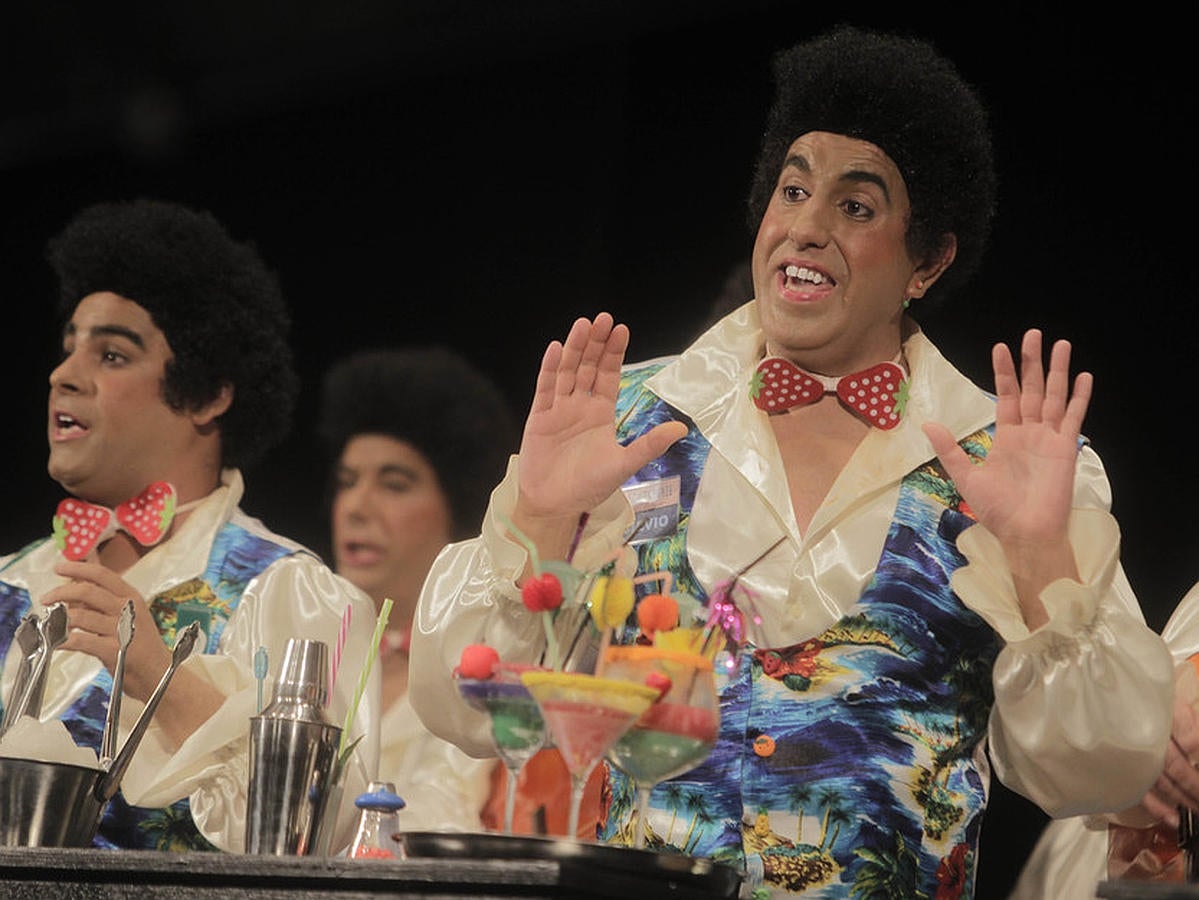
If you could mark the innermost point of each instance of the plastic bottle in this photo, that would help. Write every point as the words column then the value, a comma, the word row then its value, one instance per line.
column 378, row 834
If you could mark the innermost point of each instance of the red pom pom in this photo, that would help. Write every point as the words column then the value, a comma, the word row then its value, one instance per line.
column 660, row 682
column 542, row 593
column 477, row 661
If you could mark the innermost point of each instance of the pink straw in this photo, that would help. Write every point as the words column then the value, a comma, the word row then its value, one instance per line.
column 342, row 632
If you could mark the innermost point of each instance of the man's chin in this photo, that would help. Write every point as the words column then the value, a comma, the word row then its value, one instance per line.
column 63, row 476
column 73, row 482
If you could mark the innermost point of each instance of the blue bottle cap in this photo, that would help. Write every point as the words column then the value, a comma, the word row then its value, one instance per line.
column 382, row 800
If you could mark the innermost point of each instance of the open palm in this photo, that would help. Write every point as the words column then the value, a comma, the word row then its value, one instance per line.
column 1022, row 492
column 570, row 460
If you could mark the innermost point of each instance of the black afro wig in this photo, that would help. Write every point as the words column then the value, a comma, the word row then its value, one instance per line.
column 901, row 95
column 214, row 299
column 435, row 400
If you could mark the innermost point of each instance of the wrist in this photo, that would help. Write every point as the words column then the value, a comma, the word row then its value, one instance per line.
column 1034, row 566
column 552, row 535
column 1040, row 560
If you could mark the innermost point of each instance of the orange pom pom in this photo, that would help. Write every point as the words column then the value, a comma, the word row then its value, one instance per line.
column 657, row 612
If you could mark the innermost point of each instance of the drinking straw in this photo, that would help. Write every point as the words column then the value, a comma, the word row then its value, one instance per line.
column 260, row 667
column 664, row 576
column 372, row 652
column 584, row 590
column 609, row 559
column 547, row 616
column 342, row 631
column 608, row 634
column 713, row 628
column 574, row 544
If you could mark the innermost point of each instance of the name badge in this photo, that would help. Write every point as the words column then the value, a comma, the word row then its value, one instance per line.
column 655, row 508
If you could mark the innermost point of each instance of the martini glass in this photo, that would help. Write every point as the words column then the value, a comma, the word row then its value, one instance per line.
column 585, row 714
column 517, row 728
column 677, row 732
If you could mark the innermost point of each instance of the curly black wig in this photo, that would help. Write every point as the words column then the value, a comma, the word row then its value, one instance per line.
column 901, row 95
column 435, row 400
column 219, row 306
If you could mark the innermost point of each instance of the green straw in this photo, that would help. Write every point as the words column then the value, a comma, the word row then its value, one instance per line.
column 372, row 653
column 547, row 616
column 530, row 547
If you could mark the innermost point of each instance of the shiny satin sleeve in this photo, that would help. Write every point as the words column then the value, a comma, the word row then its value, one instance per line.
column 470, row 596
column 296, row 597
column 443, row 788
column 1181, row 633
column 1071, row 856
column 451, row 793
column 1082, row 707
column 1067, row 863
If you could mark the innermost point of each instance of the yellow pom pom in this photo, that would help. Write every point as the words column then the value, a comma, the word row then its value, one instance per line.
column 595, row 601
column 611, row 601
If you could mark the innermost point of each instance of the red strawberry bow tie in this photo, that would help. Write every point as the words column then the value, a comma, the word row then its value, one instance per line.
column 80, row 526
column 878, row 394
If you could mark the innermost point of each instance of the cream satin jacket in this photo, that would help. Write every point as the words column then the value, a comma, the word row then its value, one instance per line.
column 442, row 787
column 1061, row 731
column 1071, row 856
column 294, row 597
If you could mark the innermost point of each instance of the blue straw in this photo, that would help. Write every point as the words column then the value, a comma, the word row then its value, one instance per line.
column 260, row 662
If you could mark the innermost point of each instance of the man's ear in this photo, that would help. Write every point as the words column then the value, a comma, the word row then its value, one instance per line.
column 934, row 267
column 214, row 408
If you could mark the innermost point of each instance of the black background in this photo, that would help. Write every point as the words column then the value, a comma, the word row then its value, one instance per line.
column 480, row 173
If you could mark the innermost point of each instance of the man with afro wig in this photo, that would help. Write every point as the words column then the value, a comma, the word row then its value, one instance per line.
column 175, row 373
column 897, row 577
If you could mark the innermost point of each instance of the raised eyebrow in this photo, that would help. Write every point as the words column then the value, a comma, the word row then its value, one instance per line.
column 800, row 162
column 69, row 330
column 861, row 176
column 797, row 161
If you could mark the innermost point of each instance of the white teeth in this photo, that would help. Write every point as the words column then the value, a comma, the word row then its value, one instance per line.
column 805, row 274
column 65, row 421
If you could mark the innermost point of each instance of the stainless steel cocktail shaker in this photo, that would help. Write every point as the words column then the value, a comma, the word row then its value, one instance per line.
column 293, row 751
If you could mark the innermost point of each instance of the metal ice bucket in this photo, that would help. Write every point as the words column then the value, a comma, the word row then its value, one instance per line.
column 45, row 804
column 49, row 804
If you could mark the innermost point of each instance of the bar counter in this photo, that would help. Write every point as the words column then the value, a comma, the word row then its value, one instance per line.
column 577, row 871
column 35, row 873
column 1147, row 890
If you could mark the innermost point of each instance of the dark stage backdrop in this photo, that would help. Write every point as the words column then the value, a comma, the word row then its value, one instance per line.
column 478, row 174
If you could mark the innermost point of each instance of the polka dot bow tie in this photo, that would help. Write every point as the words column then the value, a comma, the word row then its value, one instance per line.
column 878, row 394
column 80, row 527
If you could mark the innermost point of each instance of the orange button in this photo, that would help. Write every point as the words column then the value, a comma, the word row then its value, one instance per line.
column 763, row 745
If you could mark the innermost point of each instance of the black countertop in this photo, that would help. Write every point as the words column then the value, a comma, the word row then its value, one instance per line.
column 443, row 866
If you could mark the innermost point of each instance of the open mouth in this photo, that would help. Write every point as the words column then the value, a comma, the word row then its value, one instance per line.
column 799, row 277
column 357, row 553
column 66, row 424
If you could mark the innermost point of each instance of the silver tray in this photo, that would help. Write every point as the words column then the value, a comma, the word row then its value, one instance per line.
column 590, row 869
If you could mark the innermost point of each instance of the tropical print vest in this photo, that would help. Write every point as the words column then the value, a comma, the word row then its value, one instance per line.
column 845, row 765
column 236, row 557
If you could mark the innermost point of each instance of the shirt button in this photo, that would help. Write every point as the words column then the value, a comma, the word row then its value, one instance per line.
column 764, row 745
